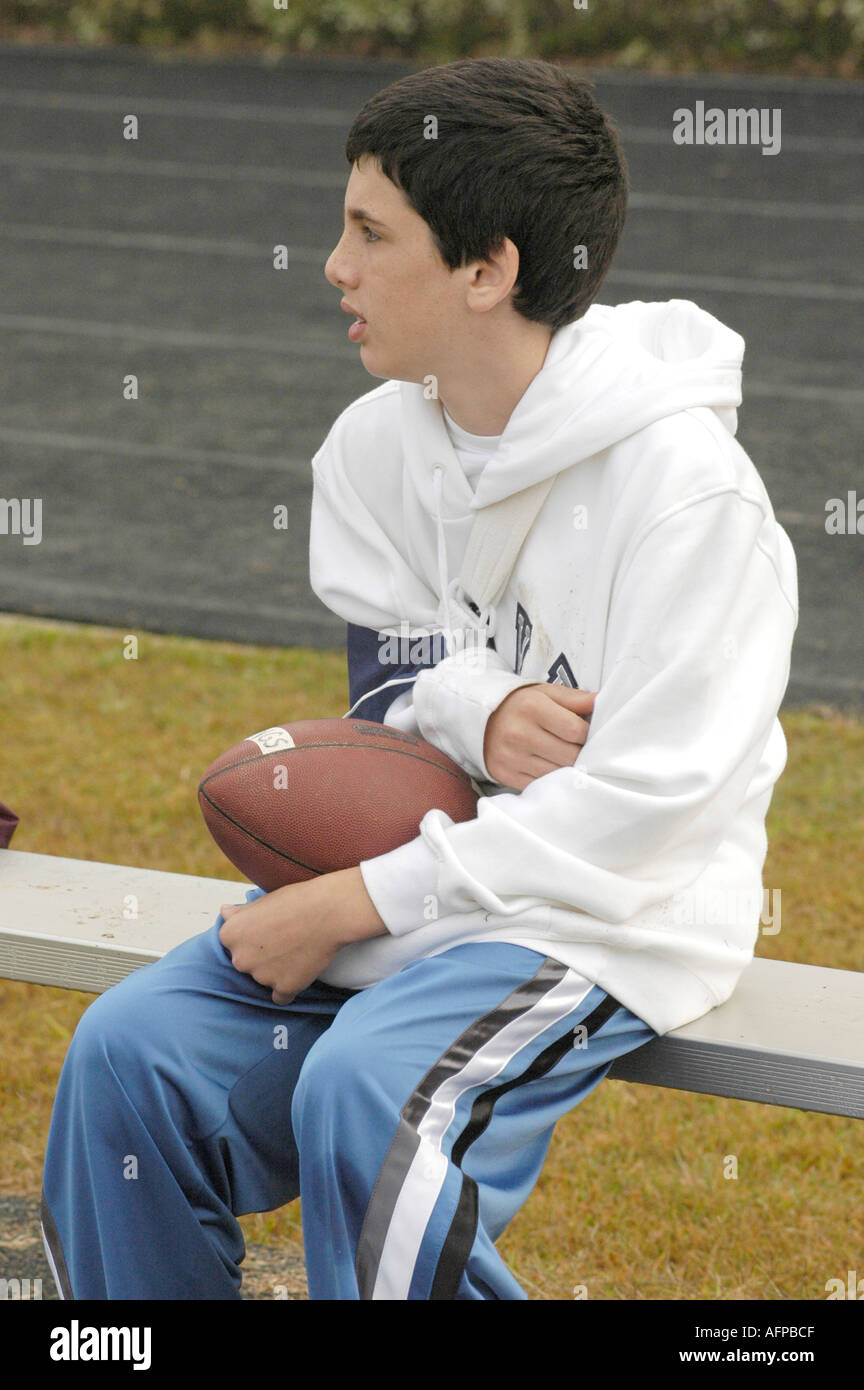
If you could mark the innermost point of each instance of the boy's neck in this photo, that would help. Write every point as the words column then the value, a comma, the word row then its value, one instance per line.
column 482, row 392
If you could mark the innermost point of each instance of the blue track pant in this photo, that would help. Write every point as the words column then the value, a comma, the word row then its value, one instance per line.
column 412, row 1118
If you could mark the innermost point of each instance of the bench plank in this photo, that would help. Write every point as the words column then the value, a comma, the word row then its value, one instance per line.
column 73, row 922
column 791, row 1035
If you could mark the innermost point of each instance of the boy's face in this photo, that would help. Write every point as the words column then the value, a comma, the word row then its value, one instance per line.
column 391, row 274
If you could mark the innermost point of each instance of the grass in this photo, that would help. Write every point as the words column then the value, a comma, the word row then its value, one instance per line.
column 637, row 1198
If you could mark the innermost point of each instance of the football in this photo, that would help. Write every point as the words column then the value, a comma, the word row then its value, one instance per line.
column 299, row 800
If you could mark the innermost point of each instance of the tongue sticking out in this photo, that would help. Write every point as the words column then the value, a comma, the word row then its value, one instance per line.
column 356, row 330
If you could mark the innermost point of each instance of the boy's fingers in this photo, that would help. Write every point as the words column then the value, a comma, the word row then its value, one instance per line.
column 577, row 700
column 556, row 752
column 563, row 725
column 566, row 718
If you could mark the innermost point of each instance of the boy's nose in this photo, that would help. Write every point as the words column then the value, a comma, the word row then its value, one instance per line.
column 336, row 269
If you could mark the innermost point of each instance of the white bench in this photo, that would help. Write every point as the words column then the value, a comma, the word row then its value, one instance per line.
column 791, row 1035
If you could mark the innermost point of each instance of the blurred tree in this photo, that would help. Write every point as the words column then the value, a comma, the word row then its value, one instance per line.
column 818, row 36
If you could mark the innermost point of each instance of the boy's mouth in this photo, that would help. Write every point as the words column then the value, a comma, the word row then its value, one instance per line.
column 356, row 330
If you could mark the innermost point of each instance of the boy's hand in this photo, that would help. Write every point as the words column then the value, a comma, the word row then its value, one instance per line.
column 534, row 730
column 286, row 938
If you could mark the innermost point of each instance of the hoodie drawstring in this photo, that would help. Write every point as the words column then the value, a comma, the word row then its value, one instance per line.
column 438, row 487
column 472, row 619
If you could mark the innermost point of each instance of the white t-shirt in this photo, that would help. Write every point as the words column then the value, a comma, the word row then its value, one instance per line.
column 472, row 450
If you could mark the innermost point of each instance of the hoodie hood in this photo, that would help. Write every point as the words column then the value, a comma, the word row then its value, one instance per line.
column 609, row 374
column 393, row 505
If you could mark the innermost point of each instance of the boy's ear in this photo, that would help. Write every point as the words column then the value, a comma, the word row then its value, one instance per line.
column 490, row 280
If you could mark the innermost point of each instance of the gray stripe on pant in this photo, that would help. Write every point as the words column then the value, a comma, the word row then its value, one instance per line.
column 406, row 1140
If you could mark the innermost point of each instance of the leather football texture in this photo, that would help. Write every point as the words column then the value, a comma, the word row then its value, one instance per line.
column 299, row 800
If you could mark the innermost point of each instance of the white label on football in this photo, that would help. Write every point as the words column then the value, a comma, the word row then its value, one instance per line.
column 271, row 740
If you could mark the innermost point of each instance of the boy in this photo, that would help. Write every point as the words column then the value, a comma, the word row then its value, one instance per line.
column 438, row 1008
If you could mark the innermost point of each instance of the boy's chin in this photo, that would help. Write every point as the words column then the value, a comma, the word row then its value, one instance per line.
column 374, row 368
column 391, row 369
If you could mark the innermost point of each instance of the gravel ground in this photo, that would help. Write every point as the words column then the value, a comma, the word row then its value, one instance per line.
column 269, row 1271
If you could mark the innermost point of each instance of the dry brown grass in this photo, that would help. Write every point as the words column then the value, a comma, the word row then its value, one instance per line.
column 633, row 1202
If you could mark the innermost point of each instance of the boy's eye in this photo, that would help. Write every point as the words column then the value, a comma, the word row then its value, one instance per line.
column 370, row 235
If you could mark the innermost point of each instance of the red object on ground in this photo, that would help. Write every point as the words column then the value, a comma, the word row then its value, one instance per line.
column 8, row 822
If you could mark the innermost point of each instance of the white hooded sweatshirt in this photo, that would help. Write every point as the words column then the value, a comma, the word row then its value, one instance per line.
column 656, row 575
